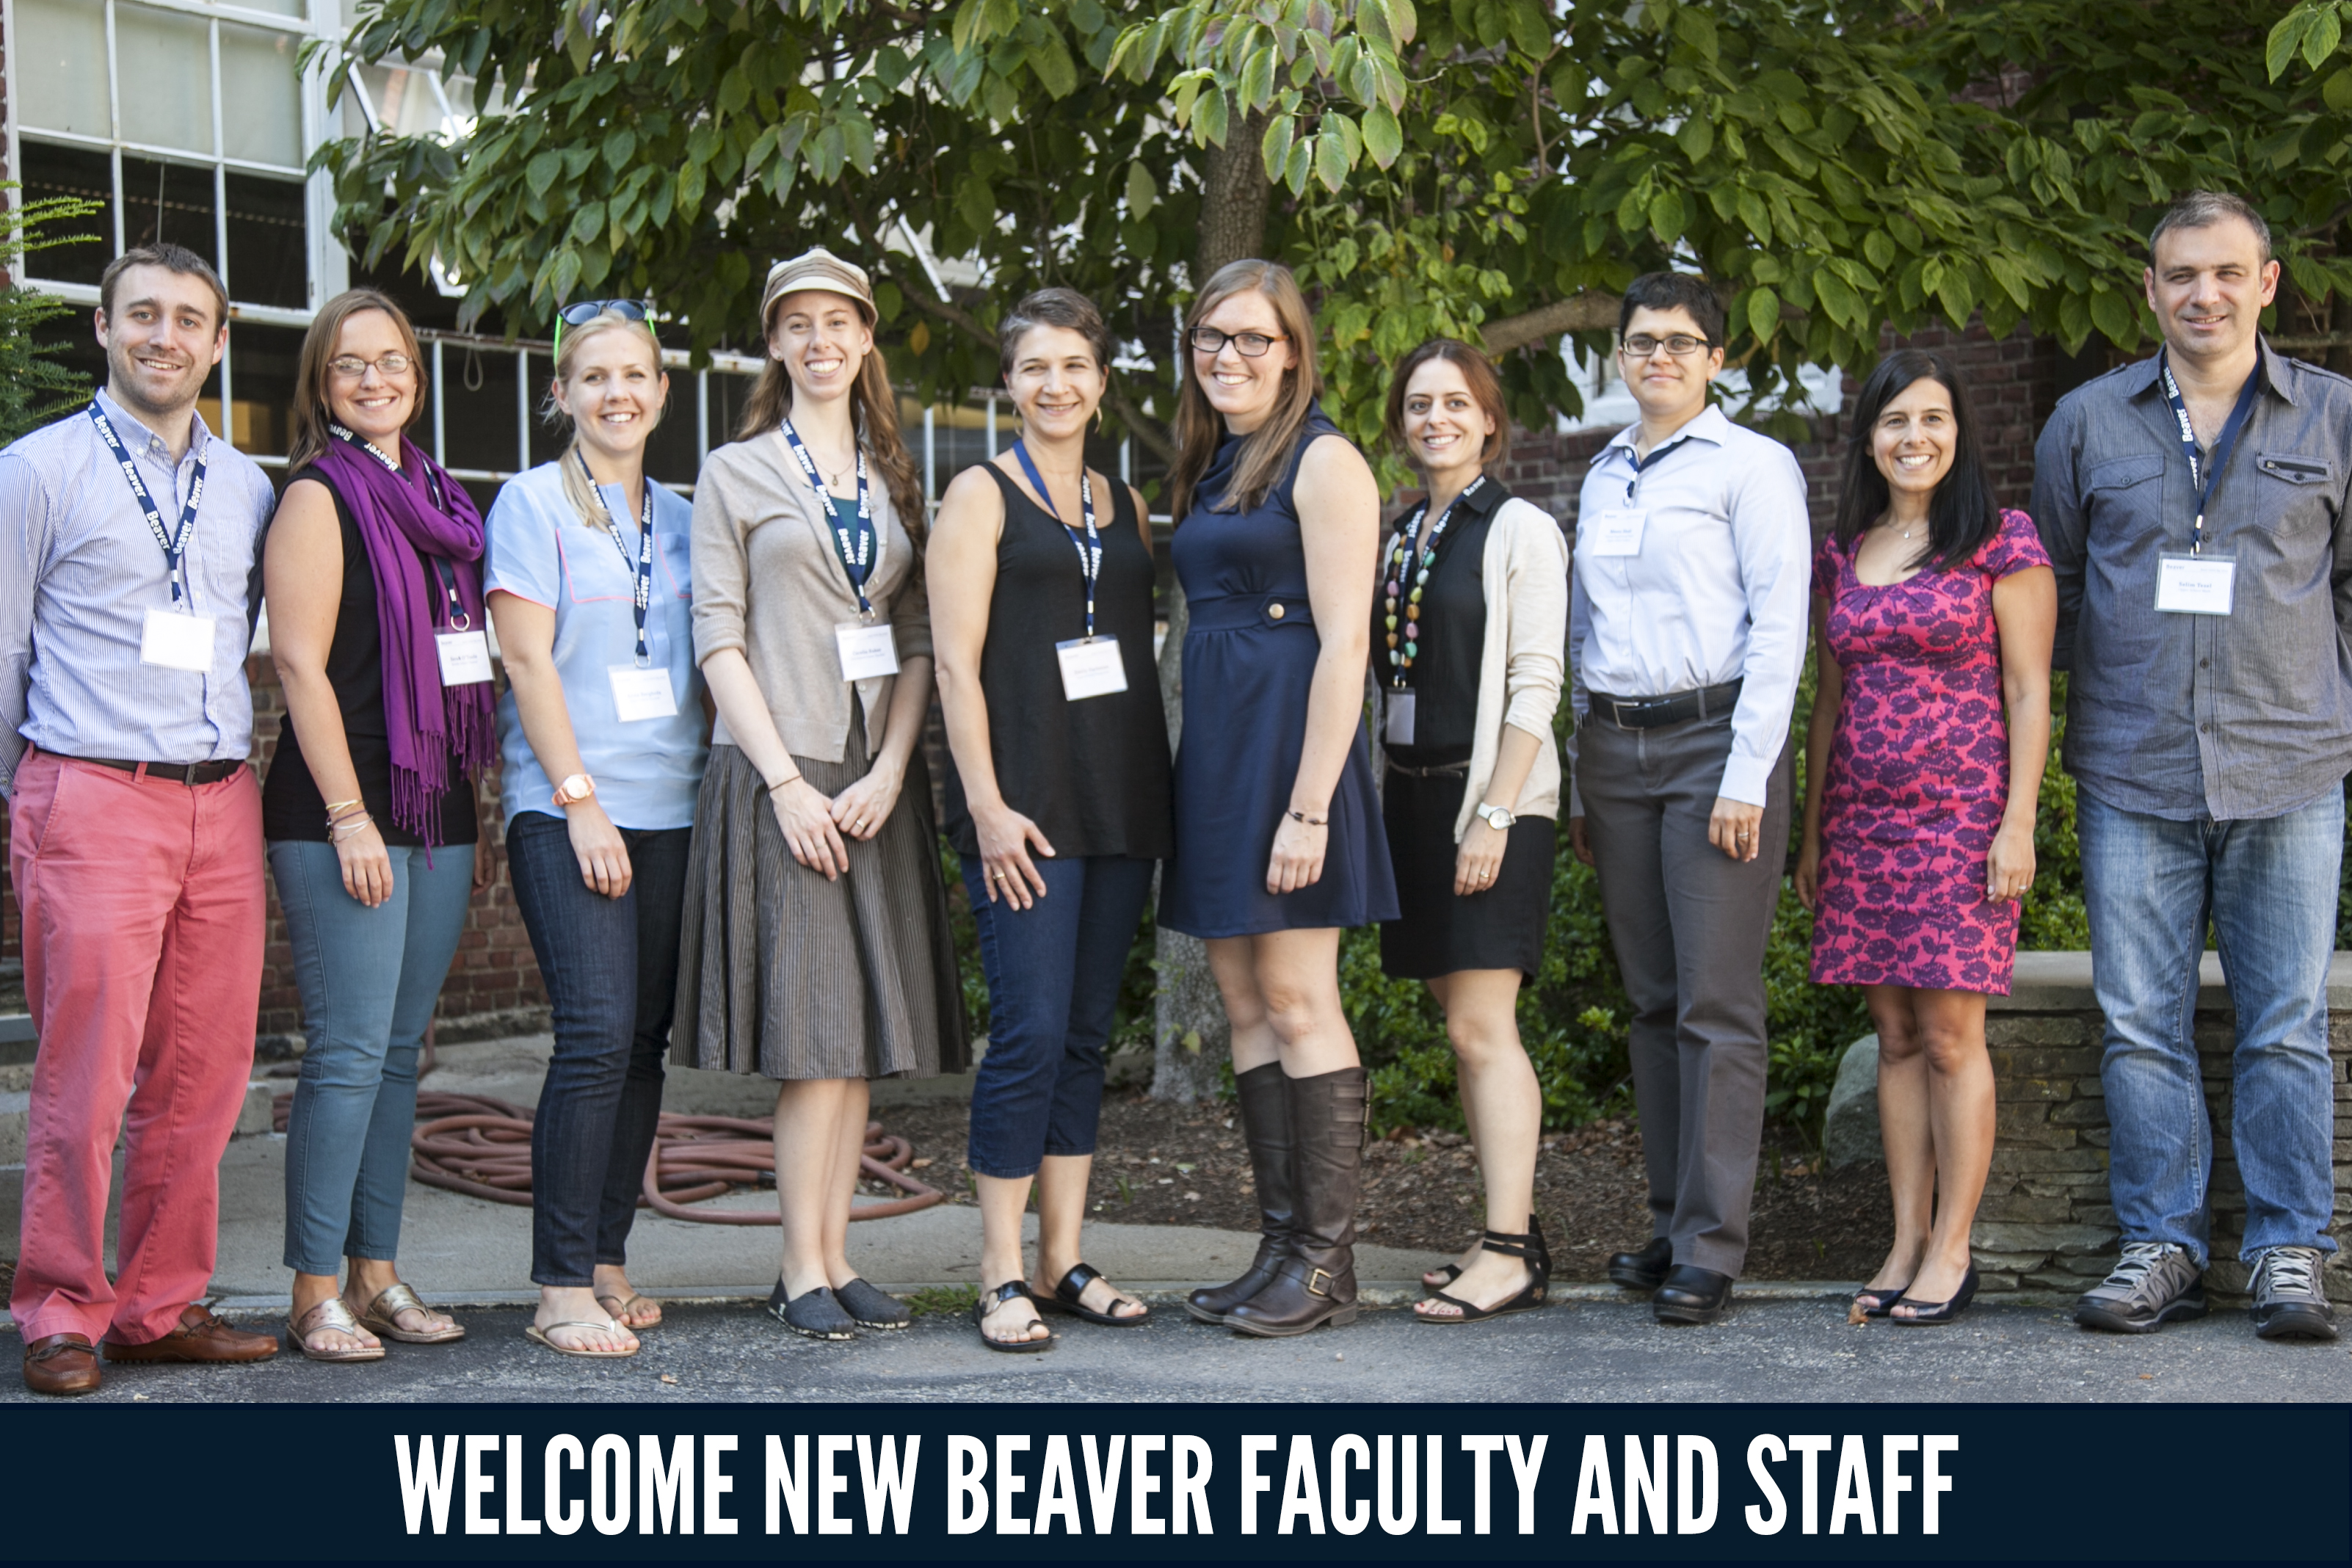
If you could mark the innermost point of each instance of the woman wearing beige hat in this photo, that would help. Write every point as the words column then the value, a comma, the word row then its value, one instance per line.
column 815, row 947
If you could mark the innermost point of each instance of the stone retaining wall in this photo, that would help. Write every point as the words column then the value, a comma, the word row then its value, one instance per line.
column 2047, row 1223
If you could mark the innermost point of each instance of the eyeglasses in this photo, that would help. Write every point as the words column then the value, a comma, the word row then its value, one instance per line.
column 1249, row 345
column 579, row 312
column 351, row 367
column 1682, row 345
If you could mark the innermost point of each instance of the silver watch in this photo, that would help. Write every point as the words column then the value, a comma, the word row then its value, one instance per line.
column 1497, row 817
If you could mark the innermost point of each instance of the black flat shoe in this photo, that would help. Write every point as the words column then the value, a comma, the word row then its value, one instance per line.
column 1691, row 1295
column 1528, row 1249
column 1941, row 1311
column 1011, row 1291
column 814, row 1314
column 1881, row 1297
column 873, row 1308
column 1643, row 1271
column 1069, row 1295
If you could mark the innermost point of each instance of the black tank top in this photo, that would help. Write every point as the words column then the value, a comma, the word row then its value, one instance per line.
column 1092, row 774
column 292, row 806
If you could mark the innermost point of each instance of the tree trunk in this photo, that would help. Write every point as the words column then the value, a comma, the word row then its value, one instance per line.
column 1191, row 1041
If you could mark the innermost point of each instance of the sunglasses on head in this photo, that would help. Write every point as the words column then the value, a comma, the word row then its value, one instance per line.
column 579, row 312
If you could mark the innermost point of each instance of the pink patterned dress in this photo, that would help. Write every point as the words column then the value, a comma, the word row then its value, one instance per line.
column 1918, row 774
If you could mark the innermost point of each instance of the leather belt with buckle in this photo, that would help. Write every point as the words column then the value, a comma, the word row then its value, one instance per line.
column 1654, row 712
column 178, row 773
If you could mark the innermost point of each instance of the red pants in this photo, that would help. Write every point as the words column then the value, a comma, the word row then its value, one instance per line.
column 142, row 910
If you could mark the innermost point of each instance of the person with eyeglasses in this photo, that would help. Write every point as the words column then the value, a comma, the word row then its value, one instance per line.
column 376, row 624
column 589, row 578
column 1057, row 797
column 1278, row 839
column 129, row 532
column 1686, row 638
column 1469, row 652
column 815, row 948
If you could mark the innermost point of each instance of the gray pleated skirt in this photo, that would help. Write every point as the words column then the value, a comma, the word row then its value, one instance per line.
column 786, row 974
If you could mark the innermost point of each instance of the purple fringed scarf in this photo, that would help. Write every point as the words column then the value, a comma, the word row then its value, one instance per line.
column 427, row 723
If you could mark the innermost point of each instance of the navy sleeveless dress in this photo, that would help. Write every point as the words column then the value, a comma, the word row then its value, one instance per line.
column 1249, row 660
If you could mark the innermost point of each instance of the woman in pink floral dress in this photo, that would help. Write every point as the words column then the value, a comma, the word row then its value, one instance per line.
column 1932, row 611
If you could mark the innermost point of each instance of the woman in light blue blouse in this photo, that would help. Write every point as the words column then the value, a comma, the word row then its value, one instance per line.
column 602, row 742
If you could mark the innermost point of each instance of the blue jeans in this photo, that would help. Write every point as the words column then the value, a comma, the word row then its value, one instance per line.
column 369, row 979
column 1054, row 971
column 2270, row 888
column 611, row 968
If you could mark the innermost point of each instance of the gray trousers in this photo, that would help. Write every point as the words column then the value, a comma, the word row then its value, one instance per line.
column 1689, row 925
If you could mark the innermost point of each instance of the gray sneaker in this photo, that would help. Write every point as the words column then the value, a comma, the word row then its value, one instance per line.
column 2289, row 1303
column 2151, row 1284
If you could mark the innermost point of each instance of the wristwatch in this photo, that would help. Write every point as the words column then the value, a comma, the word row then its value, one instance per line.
column 1497, row 817
column 574, row 789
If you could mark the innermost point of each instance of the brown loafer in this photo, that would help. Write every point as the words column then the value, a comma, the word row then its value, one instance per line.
column 62, row 1363
column 201, row 1337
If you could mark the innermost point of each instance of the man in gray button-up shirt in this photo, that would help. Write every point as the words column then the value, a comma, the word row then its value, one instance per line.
column 2198, row 508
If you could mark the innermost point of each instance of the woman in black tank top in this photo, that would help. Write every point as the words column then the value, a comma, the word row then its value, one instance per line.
column 1041, row 578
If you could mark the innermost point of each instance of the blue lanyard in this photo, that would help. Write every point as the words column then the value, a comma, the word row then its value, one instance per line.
column 176, row 544
column 2202, row 479
column 641, row 567
column 1400, row 557
column 1640, row 463
column 856, row 552
column 1090, row 548
column 455, row 617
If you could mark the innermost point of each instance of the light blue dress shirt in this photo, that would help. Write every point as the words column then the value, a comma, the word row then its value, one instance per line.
column 647, row 772
column 79, row 569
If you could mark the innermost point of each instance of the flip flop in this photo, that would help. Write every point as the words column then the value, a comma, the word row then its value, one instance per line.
column 381, row 1318
column 533, row 1332
column 1011, row 1291
column 331, row 1313
column 617, row 1306
column 1070, row 1292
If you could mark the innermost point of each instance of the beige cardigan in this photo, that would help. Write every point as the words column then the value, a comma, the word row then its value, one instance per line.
column 1525, row 656
column 769, row 582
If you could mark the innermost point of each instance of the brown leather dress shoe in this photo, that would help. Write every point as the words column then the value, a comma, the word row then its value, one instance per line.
column 62, row 1363
column 201, row 1337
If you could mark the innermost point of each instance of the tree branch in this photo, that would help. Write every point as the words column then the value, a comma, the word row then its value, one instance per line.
column 1142, row 425
column 1581, row 313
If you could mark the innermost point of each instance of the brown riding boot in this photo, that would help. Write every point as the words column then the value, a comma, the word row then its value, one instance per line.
column 1315, row 1284
column 1264, row 1096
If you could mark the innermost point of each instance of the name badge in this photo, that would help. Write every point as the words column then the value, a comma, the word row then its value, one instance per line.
column 465, row 658
column 866, row 651
column 1617, row 531
column 1396, row 729
column 641, row 694
column 2194, row 585
column 175, row 641
column 1090, row 667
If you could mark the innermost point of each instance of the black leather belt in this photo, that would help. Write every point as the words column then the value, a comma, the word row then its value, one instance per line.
column 178, row 773
column 1443, row 769
column 1654, row 712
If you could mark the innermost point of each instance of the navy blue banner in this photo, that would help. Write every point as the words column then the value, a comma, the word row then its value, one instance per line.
column 1161, row 1483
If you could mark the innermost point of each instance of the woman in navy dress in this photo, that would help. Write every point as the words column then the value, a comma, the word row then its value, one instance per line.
column 1278, row 837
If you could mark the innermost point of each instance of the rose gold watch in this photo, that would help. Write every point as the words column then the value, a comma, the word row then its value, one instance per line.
column 574, row 790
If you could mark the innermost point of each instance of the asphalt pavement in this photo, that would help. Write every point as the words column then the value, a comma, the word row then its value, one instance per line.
column 1603, row 1351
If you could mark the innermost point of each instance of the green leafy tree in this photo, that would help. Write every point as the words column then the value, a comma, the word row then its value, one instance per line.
column 34, row 388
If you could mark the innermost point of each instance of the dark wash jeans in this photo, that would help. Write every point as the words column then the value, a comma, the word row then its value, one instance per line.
column 1054, row 971
column 610, row 967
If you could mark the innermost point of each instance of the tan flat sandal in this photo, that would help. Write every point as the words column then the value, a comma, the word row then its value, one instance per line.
column 533, row 1332
column 331, row 1313
column 381, row 1315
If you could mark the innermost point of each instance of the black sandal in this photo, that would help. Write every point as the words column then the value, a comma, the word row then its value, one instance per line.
column 1071, row 1291
column 1529, row 1250
column 815, row 1314
column 1452, row 1271
column 1011, row 1291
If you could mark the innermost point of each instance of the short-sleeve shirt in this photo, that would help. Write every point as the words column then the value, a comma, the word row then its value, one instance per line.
column 647, row 771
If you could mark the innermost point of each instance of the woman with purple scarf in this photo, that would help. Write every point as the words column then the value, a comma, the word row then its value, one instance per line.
column 373, row 578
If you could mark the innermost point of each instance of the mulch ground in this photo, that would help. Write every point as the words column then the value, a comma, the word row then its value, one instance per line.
column 1160, row 1164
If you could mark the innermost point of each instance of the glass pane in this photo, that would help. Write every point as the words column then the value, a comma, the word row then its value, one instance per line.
column 670, row 450
column 548, row 437
column 265, row 360
column 730, row 392
column 52, row 171
column 168, row 57
column 295, row 8
column 169, row 201
column 268, row 264
column 478, row 392
column 77, row 347
column 263, row 93
column 960, row 438
column 404, row 99
column 61, row 66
